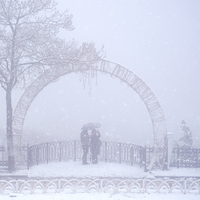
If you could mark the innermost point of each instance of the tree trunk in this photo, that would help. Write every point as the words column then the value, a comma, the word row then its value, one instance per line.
column 9, row 132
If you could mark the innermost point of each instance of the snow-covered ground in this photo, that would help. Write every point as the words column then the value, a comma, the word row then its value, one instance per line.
column 101, row 196
column 75, row 169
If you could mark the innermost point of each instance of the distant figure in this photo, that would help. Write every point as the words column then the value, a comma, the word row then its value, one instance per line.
column 95, row 144
column 85, row 145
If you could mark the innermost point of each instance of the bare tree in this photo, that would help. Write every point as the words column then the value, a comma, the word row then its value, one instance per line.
column 30, row 45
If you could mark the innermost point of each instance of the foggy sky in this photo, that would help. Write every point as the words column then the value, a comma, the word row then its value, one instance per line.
column 157, row 40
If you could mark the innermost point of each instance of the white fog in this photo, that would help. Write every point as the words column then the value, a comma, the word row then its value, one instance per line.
column 157, row 40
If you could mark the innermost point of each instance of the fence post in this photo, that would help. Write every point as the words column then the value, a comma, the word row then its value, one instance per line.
column 28, row 157
column 74, row 150
column 105, row 151
column 17, row 186
column 143, row 183
column 166, row 159
column 178, row 157
column 47, row 154
column 196, row 158
column 37, row 155
column 60, row 152
column 185, row 186
column 131, row 155
column 170, row 142
column 120, row 152
column 141, row 156
column 145, row 158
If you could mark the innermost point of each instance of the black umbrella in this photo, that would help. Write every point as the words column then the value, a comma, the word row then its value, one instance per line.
column 91, row 126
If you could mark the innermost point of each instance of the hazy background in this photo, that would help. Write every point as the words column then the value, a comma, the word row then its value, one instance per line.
column 157, row 40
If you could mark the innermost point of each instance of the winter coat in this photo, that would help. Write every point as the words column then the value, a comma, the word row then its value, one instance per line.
column 95, row 143
column 84, row 137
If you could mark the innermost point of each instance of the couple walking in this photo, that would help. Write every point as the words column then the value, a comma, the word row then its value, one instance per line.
column 93, row 142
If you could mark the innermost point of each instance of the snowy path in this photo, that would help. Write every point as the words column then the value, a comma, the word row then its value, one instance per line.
column 75, row 169
column 101, row 196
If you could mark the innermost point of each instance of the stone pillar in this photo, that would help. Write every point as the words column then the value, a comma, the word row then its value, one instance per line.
column 19, row 158
column 170, row 147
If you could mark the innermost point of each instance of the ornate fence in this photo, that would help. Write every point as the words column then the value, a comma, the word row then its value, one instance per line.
column 110, row 152
column 72, row 150
column 180, row 158
column 3, row 156
column 98, row 185
column 187, row 158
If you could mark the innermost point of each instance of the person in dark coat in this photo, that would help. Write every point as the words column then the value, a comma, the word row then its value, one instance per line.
column 85, row 145
column 95, row 144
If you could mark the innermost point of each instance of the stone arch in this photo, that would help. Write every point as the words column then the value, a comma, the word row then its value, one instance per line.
column 115, row 70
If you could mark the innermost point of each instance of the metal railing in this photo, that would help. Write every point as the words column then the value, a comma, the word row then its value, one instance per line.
column 116, row 152
column 3, row 156
column 185, row 158
column 180, row 158
column 72, row 150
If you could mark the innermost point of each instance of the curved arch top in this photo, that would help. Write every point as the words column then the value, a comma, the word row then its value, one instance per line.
column 115, row 70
